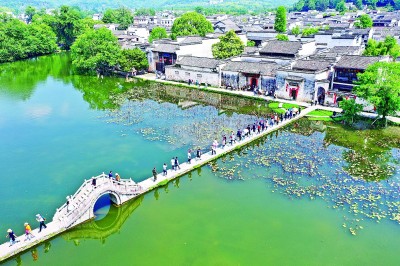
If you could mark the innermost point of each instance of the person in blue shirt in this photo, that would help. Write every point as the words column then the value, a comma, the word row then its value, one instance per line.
column 12, row 236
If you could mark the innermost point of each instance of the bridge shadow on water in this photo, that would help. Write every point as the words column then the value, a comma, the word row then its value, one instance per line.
column 109, row 219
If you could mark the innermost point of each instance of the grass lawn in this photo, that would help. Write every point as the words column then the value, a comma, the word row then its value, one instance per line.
column 280, row 110
column 320, row 113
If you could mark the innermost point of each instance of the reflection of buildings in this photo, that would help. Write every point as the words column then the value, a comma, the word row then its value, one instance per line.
column 102, row 229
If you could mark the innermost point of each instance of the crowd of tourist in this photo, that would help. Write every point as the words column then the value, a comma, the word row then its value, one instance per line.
column 28, row 230
column 257, row 127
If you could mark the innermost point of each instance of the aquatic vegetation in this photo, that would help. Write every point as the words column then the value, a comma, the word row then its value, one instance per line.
column 300, row 167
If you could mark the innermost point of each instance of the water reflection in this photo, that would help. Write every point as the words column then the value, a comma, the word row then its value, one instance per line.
column 105, row 227
column 20, row 79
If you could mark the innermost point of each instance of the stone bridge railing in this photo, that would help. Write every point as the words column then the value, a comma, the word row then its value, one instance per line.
column 80, row 205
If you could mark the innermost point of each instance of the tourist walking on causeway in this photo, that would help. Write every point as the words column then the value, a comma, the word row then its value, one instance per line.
column 28, row 232
column 110, row 174
column 177, row 164
column 154, row 174
column 164, row 169
column 117, row 177
column 189, row 156
column 41, row 220
column 198, row 154
column 173, row 163
column 223, row 141
column 215, row 146
column 12, row 236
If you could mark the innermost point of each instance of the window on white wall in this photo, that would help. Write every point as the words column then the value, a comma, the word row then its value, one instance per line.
column 176, row 72
column 199, row 75
column 187, row 74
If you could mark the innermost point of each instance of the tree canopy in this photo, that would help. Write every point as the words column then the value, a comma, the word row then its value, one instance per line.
column 19, row 40
column 350, row 109
column 157, row 33
column 122, row 16
column 95, row 51
column 132, row 59
column 229, row 45
column 387, row 47
column 380, row 86
column 341, row 7
column 280, row 19
column 191, row 23
column 282, row 37
column 364, row 21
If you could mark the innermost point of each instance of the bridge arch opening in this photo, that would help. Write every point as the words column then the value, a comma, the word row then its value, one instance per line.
column 103, row 205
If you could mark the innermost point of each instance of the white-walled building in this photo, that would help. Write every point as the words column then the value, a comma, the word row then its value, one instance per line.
column 200, row 70
column 303, row 80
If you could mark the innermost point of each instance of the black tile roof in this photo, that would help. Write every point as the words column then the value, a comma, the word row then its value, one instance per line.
column 281, row 47
column 266, row 69
column 311, row 65
column 356, row 61
column 166, row 48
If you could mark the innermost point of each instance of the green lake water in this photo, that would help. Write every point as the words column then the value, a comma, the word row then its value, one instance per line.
column 295, row 197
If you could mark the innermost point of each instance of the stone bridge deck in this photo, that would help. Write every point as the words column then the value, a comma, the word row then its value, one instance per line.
column 80, row 207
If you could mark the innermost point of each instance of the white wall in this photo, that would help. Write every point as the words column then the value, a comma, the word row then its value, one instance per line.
column 308, row 48
column 179, row 74
column 203, row 49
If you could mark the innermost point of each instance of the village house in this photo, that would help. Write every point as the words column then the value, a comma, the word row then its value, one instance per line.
column 200, row 70
column 249, row 75
column 304, row 80
column 223, row 26
column 329, row 39
column 164, row 53
column 288, row 49
column 345, row 75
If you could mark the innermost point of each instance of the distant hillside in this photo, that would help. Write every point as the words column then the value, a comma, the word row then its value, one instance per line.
column 99, row 5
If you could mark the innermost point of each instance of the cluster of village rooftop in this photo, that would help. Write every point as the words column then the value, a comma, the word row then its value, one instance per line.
column 320, row 67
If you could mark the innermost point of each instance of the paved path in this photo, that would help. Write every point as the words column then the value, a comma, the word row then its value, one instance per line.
column 152, row 77
column 59, row 225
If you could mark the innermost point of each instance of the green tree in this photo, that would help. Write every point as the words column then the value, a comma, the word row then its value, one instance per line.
column 124, row 17
column 19, row 40
column 359, row 4
column 66, row 21
column 199, row 9
column 251, row 43
column 191, row 23
column 133, row 59
column 280, row 19
column 145, row 12
column 309, row 31
column 41, row 40
column 321, row 5
column 282, row 37
column 380, row 86
column 363, row 22
column 109, row 16
column 372, row 3
column 157, row 33
column 95, row 51
column 311, row 4
column 30, row 12
column 387, row 47
column 395, row 52
column 296, row 30
column 341, row 7
column 396, row 4
column 229, row 45
column 351, row 109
